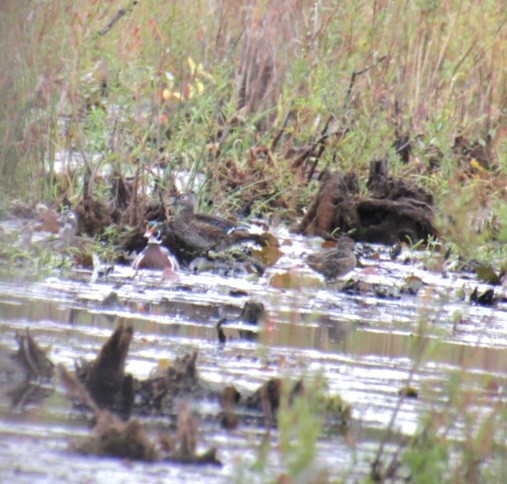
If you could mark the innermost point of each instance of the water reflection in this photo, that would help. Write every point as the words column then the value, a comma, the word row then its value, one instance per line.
column 197, row 321
column 365, row 347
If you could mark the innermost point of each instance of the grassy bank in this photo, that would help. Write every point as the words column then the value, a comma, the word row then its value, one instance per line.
column 125, row 87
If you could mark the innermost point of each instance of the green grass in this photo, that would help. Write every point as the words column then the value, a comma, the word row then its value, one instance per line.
column 196, row 85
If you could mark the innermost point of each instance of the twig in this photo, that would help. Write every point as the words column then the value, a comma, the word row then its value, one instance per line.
column 119, row 14
column 358, row 73
column 278, row 136
column 322, row 147
column 319, row 141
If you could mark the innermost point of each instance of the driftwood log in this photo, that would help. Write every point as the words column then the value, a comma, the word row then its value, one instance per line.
column 396, row 210
column 105, row 378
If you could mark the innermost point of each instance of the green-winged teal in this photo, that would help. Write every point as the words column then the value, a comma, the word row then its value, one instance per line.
column 155, row 255
column 335, row 262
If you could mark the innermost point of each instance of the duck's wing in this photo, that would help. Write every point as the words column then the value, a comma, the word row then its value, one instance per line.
column 320, row 258
column 223, row 224
column 175, row 266
column 137, row 261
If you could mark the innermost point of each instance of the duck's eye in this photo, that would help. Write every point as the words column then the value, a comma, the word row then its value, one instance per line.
column 70, row 217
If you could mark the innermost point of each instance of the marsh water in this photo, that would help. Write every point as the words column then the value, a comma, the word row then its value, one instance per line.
column 403, row 326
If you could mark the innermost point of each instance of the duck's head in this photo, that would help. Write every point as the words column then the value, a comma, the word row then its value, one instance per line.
column 153, row 231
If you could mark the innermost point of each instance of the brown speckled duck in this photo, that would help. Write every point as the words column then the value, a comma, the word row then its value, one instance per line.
column 335, row 262
column 199, row 233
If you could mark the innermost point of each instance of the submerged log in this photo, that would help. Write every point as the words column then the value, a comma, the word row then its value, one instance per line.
column 334, row 190
column 24, row 374
column 381, row 185
column 397, row 210
column 158, row 394
column 105, row 377
column 130, row 440
column 32, row 358
column 268, row 397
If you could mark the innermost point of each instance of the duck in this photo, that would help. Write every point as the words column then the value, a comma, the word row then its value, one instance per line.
column 67, row 236
column 199, row 233
column 155, row 255
column 59, row 232
column 335, row 262
column 79, row 247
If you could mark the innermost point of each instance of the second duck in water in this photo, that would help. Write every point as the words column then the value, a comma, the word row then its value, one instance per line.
column 199, row 233
column 155, row 255
column 335, row 262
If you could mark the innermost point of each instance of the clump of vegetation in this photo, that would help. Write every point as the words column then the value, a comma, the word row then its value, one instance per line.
column 456, row 442
column 142, row 94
